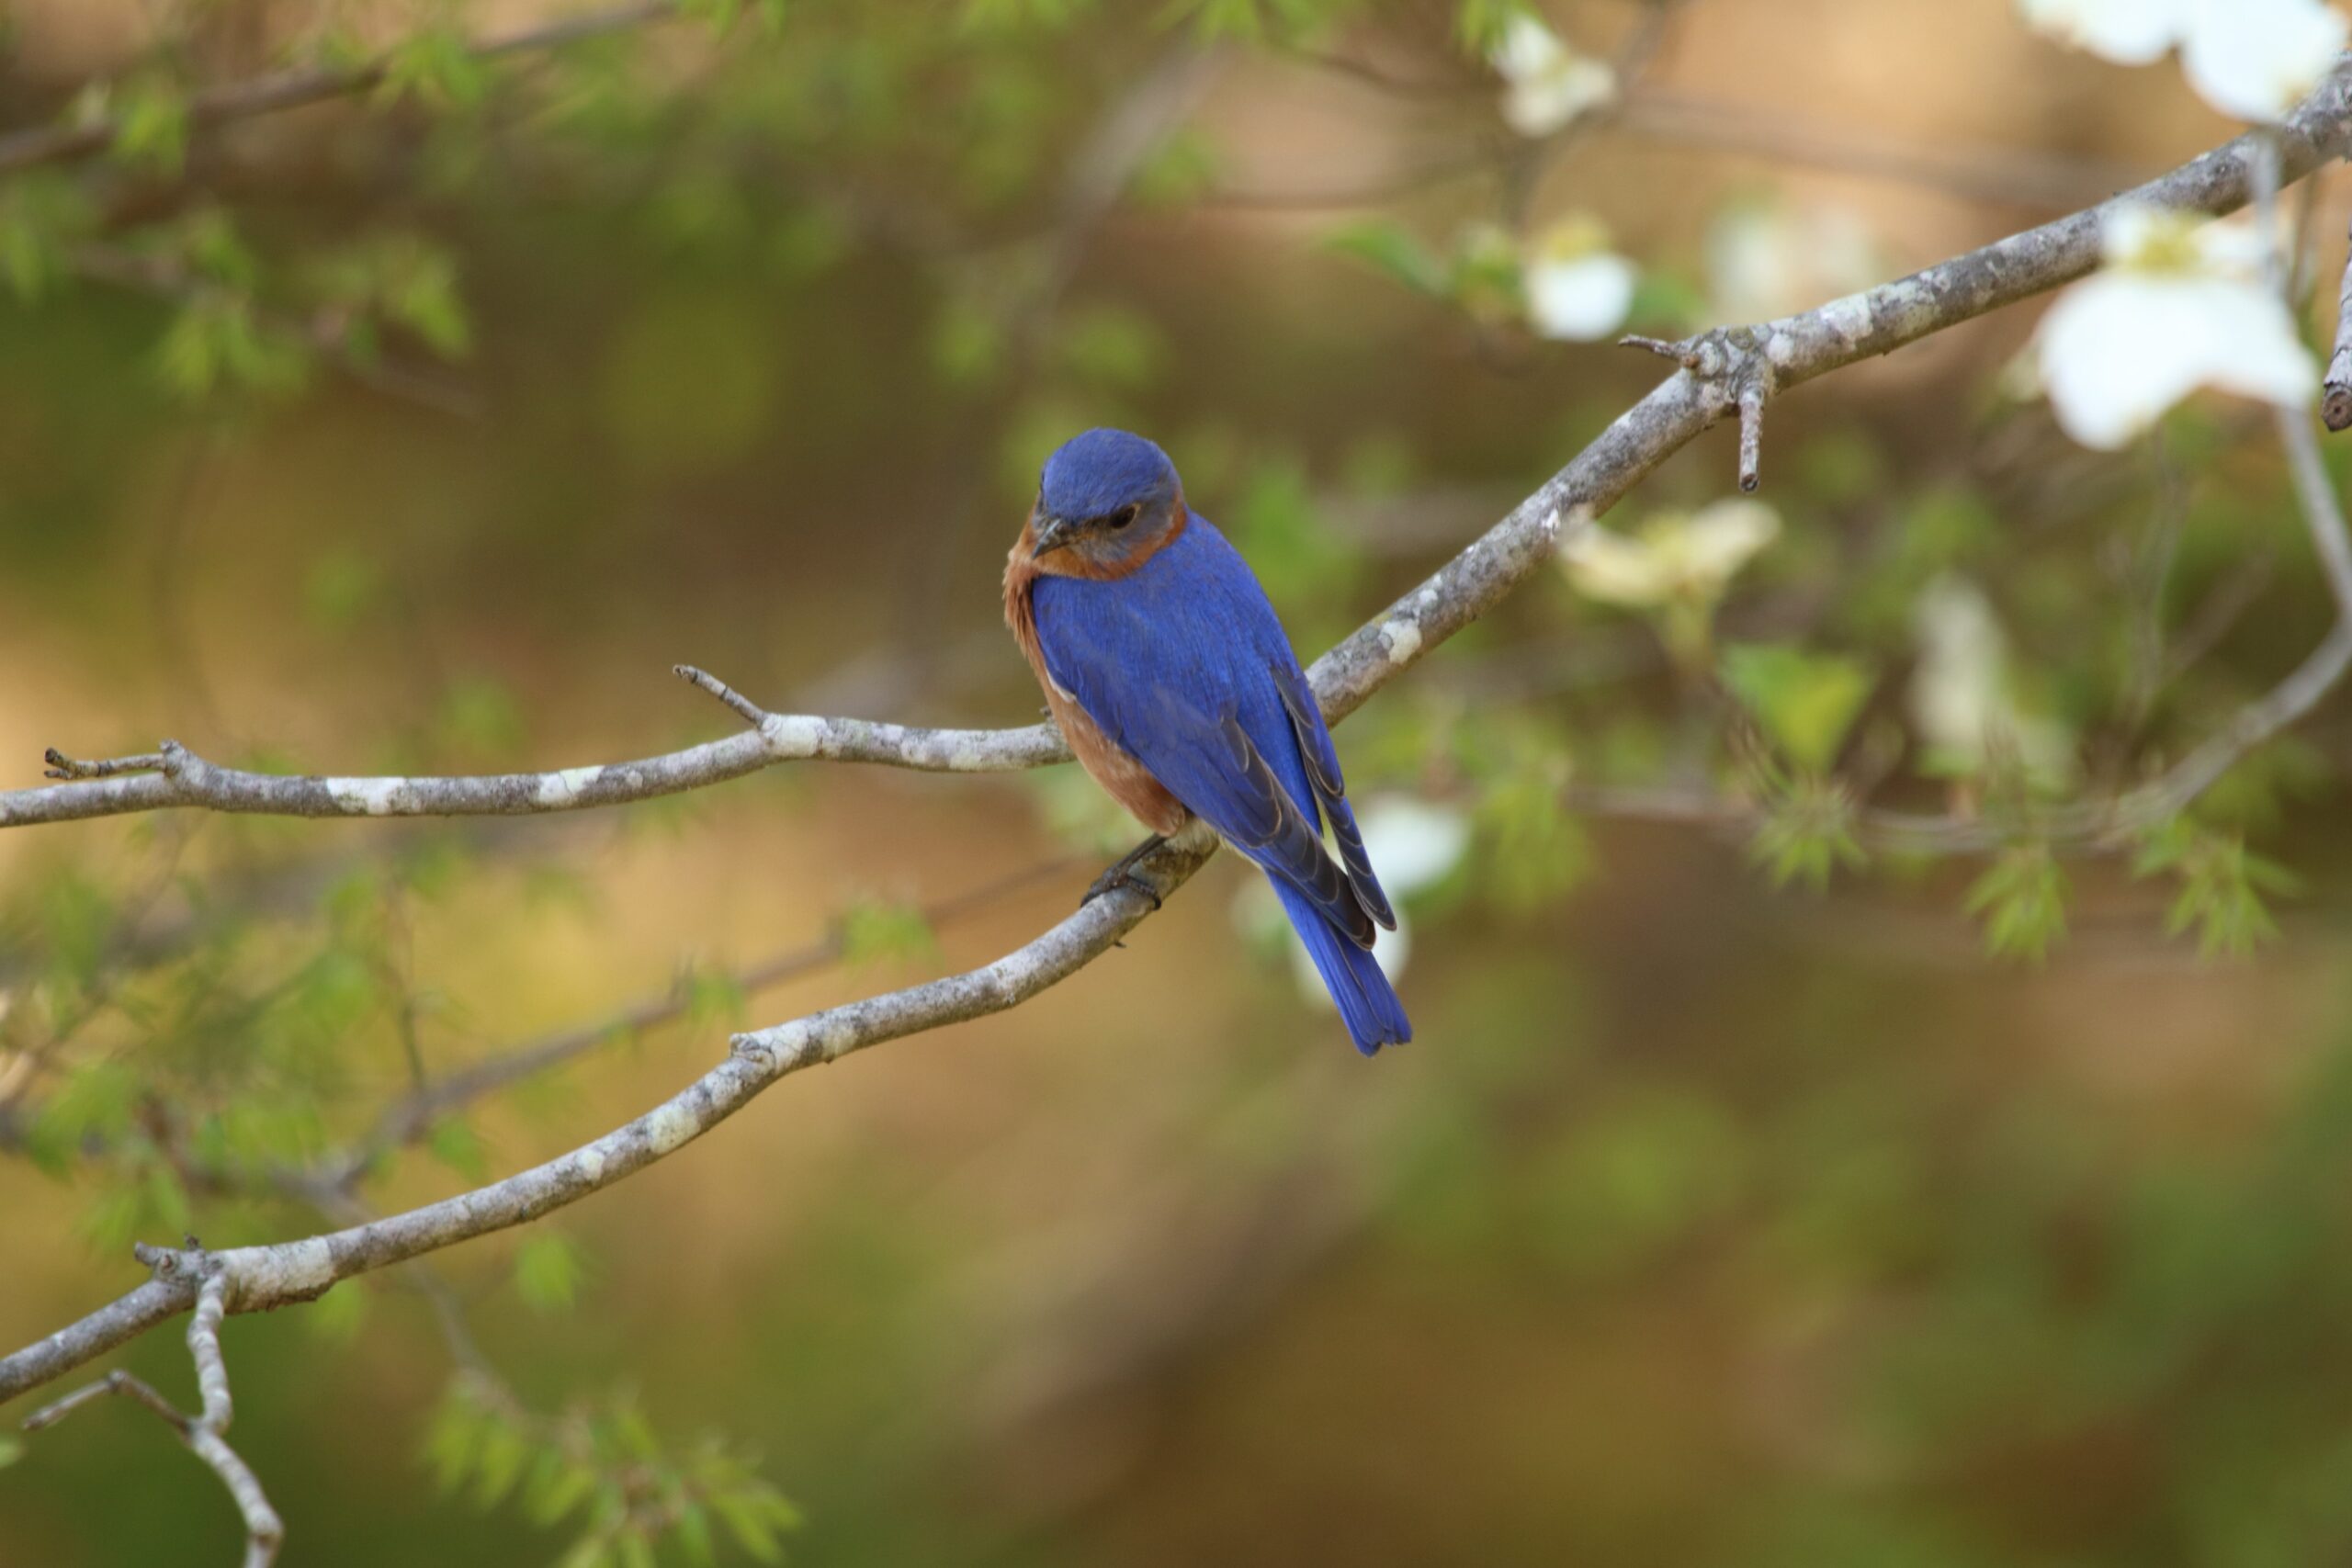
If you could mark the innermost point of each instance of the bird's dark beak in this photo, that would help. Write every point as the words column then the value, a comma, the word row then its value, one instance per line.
column 1049, row 534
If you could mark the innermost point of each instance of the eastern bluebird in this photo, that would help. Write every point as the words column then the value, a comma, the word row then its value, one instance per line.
column 1177, row 689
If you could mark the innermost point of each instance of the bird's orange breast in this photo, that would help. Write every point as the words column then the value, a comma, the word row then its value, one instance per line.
column 1124, row 778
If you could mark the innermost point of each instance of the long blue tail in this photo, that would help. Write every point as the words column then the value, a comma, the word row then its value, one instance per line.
column 1374, row 1017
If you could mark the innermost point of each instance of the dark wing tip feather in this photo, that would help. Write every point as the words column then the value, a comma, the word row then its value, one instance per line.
column 1285, row 841
column 1322, row 761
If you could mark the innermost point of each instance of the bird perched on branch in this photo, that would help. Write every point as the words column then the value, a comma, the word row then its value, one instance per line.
column 1177, row 689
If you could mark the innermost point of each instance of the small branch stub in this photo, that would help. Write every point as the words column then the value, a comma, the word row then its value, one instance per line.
column 2335, row 394
column 1735, row 372
column 743, row 708
column 1753, row 392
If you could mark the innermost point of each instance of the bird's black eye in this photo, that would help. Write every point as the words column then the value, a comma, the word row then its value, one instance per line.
column 1125, row 516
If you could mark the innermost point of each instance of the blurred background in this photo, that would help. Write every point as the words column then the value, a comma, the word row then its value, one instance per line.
column 1753, row 1194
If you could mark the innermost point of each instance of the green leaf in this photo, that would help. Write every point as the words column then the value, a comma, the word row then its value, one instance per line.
column 340, row 587
column 872, row 932
column 1184, row 168
column 694, row 1536
column 968, row 341
column 337, row 1317
column 94, row 1103
column 633, row 1431
column 1389, row 248
column 2222, row 884
column 558, row 1486
column 751, row 1527
column 712, row 996
column 166, row 1200
column 420, row 292
column 548, row 1269
column 1807, row 834
column 209, row 242
column 437, row 67
column 1301, row 558
column 114, row 1218
column 1484, row 277
column 43, row 214
column 2021, row 898
column 455, row 1144
column 151, row 124
column 1480, row 24
column 1805, row 701
column 1113, row 346
column 452, row 1438
column 218, row 339
column 722, row 15
column 12, row 1448
column 500, row 1453
column 480, row 713
column 1532, row 849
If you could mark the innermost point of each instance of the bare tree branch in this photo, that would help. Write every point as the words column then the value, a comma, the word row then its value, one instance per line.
column 1796, row 349
column 183, row 778
column 206, row 1434
column 293, row 89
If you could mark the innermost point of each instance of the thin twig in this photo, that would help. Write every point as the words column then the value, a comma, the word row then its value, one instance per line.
column 745, row 708
column 61, row 766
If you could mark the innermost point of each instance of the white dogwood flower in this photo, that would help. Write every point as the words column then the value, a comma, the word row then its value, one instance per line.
column 2130, row 32
column 1673, row 557
column 2180, row 304
column 2256, row 59
column 1961, row 696
column 1546, row 85
column 2251, row 58
column 1578, row 289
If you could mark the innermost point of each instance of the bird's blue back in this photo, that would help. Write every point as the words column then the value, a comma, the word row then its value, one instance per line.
column 1193, row 624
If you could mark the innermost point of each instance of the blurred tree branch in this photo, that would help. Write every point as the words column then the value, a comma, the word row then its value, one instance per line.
column 322, row 333
column 284, row 90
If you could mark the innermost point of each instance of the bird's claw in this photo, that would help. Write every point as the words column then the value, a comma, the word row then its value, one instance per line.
column 1120, row 876
column 1123, row 874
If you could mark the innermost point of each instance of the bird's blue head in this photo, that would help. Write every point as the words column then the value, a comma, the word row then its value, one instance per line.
column 1106, row 502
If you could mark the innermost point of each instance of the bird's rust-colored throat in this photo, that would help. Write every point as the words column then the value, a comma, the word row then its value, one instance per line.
column 1125, row 779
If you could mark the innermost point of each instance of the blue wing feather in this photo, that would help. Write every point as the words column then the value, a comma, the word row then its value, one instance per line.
column 1184, row 664
column 1322, row 761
